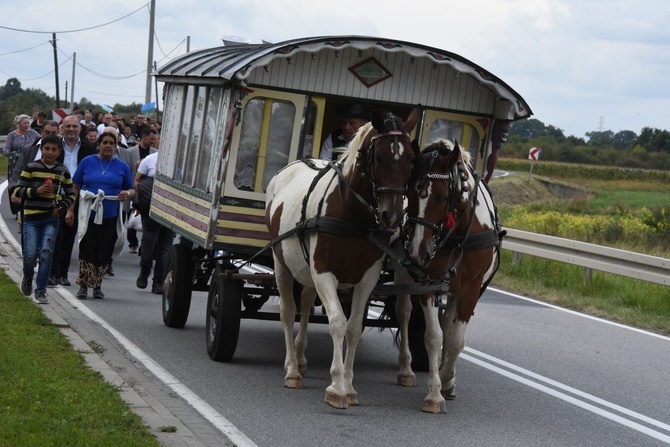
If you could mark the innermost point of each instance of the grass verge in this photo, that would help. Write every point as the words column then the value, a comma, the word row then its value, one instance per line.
column 48, row 396
column 635, row 303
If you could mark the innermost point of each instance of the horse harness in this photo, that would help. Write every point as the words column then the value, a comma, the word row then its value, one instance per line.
column 444, row 237
column 350, row 227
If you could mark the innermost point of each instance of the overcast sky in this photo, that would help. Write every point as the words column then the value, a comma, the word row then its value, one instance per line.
column 582, row 65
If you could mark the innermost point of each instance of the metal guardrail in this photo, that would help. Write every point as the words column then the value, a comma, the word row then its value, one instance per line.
column 596, row 257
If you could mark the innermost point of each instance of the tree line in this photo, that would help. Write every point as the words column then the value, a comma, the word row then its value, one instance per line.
column 648, row 150
column 14, row 100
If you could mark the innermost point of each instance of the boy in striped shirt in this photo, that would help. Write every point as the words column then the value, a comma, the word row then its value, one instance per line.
column 47, row 192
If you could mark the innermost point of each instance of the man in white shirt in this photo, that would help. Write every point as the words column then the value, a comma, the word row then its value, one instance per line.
column 156, row 239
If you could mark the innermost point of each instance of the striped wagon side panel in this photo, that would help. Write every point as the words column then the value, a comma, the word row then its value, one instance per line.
column 181, row 211
column 242, row 226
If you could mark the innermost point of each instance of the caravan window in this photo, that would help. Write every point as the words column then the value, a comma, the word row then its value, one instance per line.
column 464, row 133
column 265, row 142
column 191, row 156
column 209, row 138
column 171, row 120
column 188, row 151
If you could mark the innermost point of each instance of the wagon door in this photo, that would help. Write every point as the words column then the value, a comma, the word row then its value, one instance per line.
column 274, row 129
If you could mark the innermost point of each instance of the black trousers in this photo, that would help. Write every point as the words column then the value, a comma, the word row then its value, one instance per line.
column 64, row 246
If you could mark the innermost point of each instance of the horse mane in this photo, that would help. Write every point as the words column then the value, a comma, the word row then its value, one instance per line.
column 350, row 152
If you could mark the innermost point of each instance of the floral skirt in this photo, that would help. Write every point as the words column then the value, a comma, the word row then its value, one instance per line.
column 95, row 252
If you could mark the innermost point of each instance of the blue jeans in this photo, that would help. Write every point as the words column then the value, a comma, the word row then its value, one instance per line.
column 39, row 239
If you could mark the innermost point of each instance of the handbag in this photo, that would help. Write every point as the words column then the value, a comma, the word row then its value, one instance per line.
column 143, row 198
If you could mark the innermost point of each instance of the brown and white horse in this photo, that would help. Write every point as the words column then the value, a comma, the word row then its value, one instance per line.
column 335, row 209
column 453, row 236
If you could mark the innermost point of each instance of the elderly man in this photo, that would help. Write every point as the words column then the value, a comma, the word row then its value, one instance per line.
column 353, row 117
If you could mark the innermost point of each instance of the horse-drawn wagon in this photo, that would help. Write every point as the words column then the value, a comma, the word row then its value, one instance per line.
column 234, row 116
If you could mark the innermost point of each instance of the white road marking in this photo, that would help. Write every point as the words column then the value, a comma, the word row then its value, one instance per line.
column 579, row 314
column 572, row 400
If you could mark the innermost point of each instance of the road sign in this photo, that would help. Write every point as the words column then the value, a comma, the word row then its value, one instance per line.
column 59, row 114
column 534, row 153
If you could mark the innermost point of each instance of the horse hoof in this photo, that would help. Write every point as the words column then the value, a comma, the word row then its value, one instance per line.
column 434, row 407
column 293, row 382
column 352, row 399
column 449, row 394
column 302, row 369
column 335, row 401
column 406, row 380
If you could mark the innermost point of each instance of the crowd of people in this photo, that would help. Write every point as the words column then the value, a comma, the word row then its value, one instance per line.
column 74, row 183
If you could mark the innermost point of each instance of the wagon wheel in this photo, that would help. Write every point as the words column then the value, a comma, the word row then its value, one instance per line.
column 224, row 307
column 177, row 286
column 416, row 332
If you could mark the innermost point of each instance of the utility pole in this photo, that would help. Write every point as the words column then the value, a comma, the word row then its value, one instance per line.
column 66, row 94
column 74, row 64
column 53, row 42
column 150, row 55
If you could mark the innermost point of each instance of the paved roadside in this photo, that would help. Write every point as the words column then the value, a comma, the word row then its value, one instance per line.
column 147, row 396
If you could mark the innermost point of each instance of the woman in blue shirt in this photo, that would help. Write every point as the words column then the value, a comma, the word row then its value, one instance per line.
column 102, row 183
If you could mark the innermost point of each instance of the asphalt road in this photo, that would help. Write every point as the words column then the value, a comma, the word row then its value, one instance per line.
column 531, row 375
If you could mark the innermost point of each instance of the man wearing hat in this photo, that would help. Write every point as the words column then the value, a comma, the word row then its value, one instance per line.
column 353, row 116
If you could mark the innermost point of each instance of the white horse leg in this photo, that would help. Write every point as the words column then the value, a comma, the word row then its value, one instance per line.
column 326, row 287
column 359, row 300
column 403, row 309
column 307, row 298
column 453, row 343
column 284, row 279
column 434, row 402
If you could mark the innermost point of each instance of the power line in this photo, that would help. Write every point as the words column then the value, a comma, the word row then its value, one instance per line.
column 102, row 75
column 110, row 78
column 27, row 49
column 74, row 30
column 140, row 97
column 44, row 75
column 93, row 72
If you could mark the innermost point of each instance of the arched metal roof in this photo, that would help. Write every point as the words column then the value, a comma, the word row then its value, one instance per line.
column 236, row 63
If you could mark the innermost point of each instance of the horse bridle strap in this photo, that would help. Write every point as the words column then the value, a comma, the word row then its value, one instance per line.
column 396, row 133
column 390, row 133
